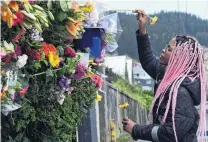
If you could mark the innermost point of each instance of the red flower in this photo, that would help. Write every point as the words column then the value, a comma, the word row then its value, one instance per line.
column 68, row 51
column 19, row 18
column 8, row 58
column 23, row 91
column 34, row 54
column 97, row 80
column 48, row 47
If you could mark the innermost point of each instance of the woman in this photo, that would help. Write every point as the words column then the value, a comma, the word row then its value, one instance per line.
column 179, row 74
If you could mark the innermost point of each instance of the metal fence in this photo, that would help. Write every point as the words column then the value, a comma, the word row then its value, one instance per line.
column 96, row 126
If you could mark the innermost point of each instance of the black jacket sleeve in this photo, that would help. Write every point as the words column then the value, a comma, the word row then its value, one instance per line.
column 184, row 120
column 149, row 62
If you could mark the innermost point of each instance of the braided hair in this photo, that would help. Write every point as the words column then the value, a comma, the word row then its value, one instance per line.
column 186, row 61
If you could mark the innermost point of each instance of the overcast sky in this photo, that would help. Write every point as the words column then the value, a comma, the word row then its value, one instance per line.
column 196, row 7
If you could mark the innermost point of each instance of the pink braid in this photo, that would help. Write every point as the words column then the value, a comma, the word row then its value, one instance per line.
column 182, row 64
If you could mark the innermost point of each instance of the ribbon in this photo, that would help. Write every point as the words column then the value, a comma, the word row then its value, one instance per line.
column 19, row 35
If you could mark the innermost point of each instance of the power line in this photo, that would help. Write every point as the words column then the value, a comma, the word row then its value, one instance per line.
column 186, row 18
column 178, row 17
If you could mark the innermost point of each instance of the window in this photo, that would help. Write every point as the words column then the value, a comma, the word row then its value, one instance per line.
column 148, row 82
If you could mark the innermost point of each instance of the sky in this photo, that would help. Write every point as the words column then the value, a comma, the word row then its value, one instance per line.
column 196, row 7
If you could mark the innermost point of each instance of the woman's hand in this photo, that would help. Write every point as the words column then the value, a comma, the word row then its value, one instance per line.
column 143, row 21
column 128, row 125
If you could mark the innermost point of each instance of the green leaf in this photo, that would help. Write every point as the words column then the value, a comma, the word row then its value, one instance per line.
column 37, row 65
column 62, row 15
column 18, row 85
column 23, row 81
column 18, row 137
column 63, row 5
column 49, row 4
column 46, row 139
column 65, row 123
column 60, row 50
column 43, row 56
column 62, row 71
column 69, row 4
column 49, row 73
column 59, row 28
column 45, row 62
column 26, row 140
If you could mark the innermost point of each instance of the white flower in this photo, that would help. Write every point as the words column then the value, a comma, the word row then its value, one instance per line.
column 22, row 60
column 61, row 99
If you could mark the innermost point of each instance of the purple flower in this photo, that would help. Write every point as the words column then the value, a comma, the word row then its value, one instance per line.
column 78, row 75
column 14, row 96
column 80, row 68
column 104, row 45
column 64, row 82
column 101, row 58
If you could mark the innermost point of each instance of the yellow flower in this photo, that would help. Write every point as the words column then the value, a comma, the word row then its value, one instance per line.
column 125, row 105
column 91, row 62
column 98, row 97
column 54, row 60
column 154, row 20
column 88, row 7
column 89, row 73
column 3, row 94
column 121, row 106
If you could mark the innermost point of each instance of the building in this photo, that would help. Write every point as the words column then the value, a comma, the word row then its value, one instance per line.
column 141, row 77
column 120, row 65
column 124, row 66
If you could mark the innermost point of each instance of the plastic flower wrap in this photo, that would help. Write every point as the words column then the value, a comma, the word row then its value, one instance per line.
column 94, row 11
column 112, row 32
column 13, row 86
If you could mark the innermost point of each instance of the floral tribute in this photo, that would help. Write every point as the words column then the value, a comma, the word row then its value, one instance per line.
column 46, row 88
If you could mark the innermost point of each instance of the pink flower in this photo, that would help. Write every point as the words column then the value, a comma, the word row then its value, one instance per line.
column 70, row 90
column 23, row 91
column 97, row 80
column 2, row 52
column 68, row 51
column 78, row 75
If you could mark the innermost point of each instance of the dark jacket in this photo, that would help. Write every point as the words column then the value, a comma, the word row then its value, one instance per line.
column 186, row 115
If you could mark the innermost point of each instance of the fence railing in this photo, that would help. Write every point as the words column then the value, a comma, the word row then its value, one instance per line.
column 97, row 126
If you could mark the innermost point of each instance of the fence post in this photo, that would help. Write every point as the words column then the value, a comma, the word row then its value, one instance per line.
column 89, row 130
